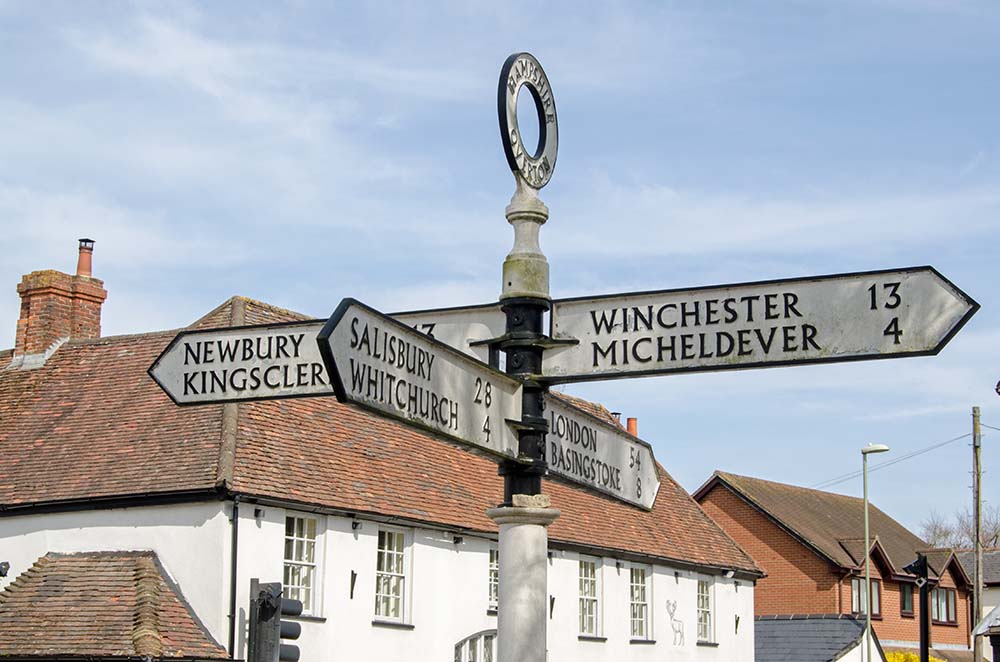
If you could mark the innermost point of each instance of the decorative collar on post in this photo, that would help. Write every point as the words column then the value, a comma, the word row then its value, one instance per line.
column 526, row 271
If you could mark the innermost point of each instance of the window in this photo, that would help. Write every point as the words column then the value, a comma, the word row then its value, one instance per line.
column 390, row 576
column 300, row 561
column 943, row 606
column 858, row 602
column 638, row 592
column 477, row 648
column 706, row 608
column 590, row 592
column 906, row 599
column 494, row 582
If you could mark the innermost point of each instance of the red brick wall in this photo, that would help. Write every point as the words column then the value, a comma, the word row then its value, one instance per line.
column 798, row 581
column 892, row 626
column 55, row 305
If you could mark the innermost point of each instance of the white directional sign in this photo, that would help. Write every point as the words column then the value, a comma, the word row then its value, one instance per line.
column 384, row 365
column 872, row 315
column 587, row 450
column 461, row 327
column 242, row 363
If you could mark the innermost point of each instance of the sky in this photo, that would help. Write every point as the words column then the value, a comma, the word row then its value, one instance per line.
column 302, row 152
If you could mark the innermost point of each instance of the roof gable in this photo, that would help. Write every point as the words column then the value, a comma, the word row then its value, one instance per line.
column 109, row 604
column 991, row 565
column 828, row 523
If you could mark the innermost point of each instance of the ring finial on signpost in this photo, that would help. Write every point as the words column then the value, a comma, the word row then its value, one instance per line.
column 522, row 71
column 526, row 271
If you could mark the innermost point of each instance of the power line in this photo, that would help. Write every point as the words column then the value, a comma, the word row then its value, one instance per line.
column 854, row 474
column 989, row 426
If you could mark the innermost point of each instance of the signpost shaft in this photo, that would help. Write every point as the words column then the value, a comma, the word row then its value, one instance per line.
column 524, row 358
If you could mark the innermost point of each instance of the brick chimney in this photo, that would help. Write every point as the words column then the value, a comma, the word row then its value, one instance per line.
column 633, row 426
column 56, row 306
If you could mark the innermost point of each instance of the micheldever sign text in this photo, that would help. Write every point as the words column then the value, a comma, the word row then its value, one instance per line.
column 242, row 363
column 384, row 365
column 871, row 315
column 587, row 450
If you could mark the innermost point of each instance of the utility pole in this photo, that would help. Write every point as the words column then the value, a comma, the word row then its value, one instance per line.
column 977, row 510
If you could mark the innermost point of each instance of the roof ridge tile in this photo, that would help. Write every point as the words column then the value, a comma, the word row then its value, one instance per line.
column 146, row 638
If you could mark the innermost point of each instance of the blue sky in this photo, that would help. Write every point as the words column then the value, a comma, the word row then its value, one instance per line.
column 301, row 152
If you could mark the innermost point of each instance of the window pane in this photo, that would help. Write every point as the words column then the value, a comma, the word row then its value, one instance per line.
column 488, row 648
column 951, row 606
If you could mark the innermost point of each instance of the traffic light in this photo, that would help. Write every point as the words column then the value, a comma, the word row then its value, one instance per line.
column 267, row 628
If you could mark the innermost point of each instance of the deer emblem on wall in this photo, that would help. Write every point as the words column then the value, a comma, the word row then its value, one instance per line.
column 675, row 623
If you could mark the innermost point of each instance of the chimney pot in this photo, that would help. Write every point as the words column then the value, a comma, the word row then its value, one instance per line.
column 633, row 426
column 84, row 263
column 617, row 415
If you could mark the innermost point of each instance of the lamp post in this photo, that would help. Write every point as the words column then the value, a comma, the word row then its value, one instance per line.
column 865, row 452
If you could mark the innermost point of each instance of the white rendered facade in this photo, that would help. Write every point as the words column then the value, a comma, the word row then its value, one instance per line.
column 445, row 589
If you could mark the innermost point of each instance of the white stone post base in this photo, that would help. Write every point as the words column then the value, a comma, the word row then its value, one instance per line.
column 522, row 613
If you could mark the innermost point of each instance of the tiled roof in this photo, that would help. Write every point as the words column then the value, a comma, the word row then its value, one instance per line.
column 822, row 638
column 831, row 523
column 91, row 423
column 252, row 312
column 100, row 604
column 991, row 565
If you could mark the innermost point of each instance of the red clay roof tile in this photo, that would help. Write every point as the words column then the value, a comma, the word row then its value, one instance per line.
column 100, row 604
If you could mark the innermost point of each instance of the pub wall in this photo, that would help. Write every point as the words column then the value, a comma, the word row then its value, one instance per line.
column 191, row 541
column 447, row 592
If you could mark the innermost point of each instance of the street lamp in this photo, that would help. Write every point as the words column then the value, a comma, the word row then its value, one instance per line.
column 865, row 452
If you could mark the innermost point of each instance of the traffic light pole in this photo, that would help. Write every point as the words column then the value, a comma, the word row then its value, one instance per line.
column 267, row 628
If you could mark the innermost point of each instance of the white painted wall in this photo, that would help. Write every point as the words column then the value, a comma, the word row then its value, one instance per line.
column 991, row 598
column 448, row 597
column 447, row 593
column 192, row 542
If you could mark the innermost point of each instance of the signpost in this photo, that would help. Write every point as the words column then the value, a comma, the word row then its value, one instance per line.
column 846, row 317
column 588, row 450
column 384, row 365
column 242, row 363
column 429, row 368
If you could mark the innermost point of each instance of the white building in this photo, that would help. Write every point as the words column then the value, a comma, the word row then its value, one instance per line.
column 380, row 530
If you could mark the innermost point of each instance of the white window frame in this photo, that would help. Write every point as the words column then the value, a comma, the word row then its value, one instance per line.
column 493, row 585
column 640, row 597
column 297, row 566
column 859, row 600
column 403, row 538
column 589, row 593
column 706, row 634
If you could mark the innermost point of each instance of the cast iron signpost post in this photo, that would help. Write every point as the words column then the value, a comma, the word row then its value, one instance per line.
column 436, row 369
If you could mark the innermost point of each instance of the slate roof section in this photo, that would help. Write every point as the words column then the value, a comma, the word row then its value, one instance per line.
column 819, row 638
column 991, row 565
column 829, row 523
column 103, row 605
column 91, row 424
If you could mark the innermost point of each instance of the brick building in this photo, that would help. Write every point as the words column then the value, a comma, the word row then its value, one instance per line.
column 811, row 545
column 107, row 489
